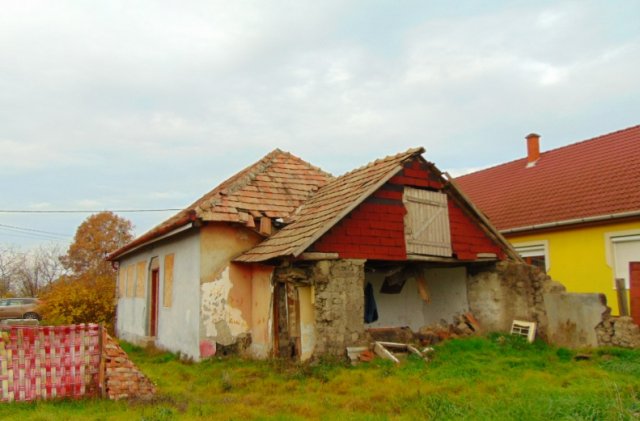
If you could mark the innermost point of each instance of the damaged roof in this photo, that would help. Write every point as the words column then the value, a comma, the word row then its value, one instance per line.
column 328, row 206
column 274, row 187
column 595, row 177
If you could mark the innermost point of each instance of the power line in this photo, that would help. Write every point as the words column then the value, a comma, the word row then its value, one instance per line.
column 89, row 210
column 30, row 235
column 33, row 230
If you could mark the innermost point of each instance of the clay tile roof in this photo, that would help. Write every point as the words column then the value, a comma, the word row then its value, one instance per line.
column 328, row 206
column 595, row 177
column 275, row 187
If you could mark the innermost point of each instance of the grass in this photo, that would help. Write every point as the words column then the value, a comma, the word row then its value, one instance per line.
column 497, row 377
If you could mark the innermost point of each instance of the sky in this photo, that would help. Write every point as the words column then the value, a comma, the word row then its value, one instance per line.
column 126, row 105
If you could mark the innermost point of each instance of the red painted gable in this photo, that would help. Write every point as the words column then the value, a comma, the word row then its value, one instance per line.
column 375, row 229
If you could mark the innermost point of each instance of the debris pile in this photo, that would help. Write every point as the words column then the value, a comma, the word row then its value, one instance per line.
column 619, row 331
column 462, row 325
column 395, row 343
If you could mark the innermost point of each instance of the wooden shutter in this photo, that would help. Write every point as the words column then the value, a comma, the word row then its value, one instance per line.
column 122, row 281
column 426, row 224
column 141, row 279
column 167, row 296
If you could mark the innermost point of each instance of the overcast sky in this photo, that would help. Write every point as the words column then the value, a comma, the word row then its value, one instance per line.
column 149, row 104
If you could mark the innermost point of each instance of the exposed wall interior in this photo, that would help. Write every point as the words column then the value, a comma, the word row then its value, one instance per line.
column 446, row 296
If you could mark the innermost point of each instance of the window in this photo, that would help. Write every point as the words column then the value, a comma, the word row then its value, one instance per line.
column 534, row 253
column 625, row 249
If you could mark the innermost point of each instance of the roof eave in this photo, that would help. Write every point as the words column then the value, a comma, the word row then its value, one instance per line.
column 163, row 233
column 574, row 221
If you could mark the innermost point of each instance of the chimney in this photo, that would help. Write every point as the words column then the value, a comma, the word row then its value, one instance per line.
column 533, row 148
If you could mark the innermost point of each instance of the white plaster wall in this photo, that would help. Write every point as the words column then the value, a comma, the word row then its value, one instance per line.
column 448, row 291
column 178, row 325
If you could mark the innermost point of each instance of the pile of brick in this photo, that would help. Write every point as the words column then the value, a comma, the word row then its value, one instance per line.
column 462, row 325
column 123, row 380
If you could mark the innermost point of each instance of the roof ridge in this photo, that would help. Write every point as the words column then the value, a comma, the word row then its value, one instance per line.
column 409, row 152
column 637, row 126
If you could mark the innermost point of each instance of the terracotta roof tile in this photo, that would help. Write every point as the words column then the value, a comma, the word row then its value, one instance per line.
column 595, row 177
column 327, row 207
column 274, row 187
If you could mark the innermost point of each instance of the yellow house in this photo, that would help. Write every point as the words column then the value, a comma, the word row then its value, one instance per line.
column 574, row 210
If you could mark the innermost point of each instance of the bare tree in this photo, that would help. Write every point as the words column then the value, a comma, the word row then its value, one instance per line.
column 7, row 270
column 38, row 269
column 28, row 273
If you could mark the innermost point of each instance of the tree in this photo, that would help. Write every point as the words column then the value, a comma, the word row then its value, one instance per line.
column 37, row 269
column 28, row 273
column 98, row 235
column 87, row 293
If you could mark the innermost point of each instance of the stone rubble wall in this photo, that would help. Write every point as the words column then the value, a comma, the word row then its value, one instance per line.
column 619, row 331
column 501, row 292
column 339, row 305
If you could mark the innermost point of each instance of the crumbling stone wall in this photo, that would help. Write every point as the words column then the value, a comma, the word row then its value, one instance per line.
column 618, row 331
column 123, row 380
column 339, row 305
column 501, row 292
column 338, row 301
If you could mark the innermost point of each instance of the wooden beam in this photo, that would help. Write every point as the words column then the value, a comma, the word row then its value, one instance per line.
column 319, row 256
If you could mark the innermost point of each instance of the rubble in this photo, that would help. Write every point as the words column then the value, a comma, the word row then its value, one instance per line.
column 618, row 331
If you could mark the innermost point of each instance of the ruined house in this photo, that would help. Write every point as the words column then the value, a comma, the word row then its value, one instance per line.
column 285, row 260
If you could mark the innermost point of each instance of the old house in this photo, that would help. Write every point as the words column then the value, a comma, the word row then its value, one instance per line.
column 283, row 259
column 574, row 210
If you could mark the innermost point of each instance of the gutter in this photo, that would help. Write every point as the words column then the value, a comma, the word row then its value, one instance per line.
column 572, row 222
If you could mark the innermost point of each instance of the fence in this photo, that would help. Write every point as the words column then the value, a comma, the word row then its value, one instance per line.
column 51, row 362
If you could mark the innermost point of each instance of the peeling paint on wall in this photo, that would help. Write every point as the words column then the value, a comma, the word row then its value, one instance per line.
column 219, row 318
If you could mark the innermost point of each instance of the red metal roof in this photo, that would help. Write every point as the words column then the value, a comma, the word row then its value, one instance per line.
column 274, row 187
column 595, row 177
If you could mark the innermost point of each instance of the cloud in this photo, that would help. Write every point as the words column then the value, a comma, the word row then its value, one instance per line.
column 153, row 102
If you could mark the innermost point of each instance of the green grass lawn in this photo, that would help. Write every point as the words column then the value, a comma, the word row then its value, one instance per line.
column 494, row 378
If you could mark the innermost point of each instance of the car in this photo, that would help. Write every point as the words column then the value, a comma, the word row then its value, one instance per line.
column 19, row 308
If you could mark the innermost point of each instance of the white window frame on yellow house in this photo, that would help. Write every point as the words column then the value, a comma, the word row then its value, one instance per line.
column 533, row 249
column 618, row 237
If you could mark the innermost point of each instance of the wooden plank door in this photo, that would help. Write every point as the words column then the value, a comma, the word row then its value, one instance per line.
column 426, row 223
column 153, row 305
column 634, row 290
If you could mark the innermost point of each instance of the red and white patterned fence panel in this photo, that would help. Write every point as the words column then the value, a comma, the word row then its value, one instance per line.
column 45, row 362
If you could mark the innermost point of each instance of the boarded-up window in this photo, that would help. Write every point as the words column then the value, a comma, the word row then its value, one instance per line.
column 122, row 282
column 426, row 224
column 167, row 295
column 141, row 279
column 131, row 280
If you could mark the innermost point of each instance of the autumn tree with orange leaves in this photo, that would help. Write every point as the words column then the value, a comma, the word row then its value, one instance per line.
column 87, row 294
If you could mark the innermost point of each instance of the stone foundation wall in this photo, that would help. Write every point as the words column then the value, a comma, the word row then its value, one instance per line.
column 339, row 305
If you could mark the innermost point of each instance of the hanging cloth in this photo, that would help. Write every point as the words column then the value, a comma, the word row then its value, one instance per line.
column 370, row 308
